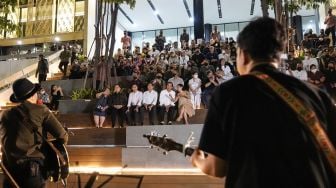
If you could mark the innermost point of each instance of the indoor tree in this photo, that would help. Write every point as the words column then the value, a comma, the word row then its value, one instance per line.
column 293, row 6
column 105, row 31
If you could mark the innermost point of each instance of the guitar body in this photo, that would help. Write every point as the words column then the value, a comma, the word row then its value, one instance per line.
column 54, row 168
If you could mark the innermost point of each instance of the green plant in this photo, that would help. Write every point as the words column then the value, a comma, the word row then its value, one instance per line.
column 87, row 93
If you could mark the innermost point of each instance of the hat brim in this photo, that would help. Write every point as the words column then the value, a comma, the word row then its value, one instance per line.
column 14, row 99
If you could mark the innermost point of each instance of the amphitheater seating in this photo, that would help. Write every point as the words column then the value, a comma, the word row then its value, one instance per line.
column 85, row 120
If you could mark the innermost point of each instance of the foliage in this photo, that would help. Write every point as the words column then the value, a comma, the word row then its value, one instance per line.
column 105, row 33
column 86, row 93
column 295, row 5
column 7, row 7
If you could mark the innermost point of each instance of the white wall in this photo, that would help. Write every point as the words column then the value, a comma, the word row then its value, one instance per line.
column 91, row 30
column 119, row 34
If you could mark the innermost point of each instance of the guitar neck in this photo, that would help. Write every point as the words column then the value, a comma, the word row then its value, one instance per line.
column 188, row 151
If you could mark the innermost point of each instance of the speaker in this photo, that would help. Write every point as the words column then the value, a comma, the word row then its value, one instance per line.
column 297, row 25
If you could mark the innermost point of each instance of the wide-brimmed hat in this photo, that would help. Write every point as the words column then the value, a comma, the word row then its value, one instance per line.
column 23, row 89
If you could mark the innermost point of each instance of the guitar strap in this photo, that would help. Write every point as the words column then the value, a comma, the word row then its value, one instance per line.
column 306, row 115
column 34, row 129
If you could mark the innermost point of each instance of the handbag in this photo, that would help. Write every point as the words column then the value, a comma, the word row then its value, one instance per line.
column 306, row 115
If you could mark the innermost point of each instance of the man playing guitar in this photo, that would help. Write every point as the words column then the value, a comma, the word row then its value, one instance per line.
column 24, row 129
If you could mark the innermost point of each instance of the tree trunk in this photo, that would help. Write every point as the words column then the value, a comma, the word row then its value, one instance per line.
column 97, row 53
column 264, row 8
column 113, row 39
column 278, row 10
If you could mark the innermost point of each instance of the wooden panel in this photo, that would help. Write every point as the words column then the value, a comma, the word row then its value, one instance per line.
column 96, row 137
column 105, row 157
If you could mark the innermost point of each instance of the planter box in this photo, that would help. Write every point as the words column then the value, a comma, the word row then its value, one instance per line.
column 76, row 106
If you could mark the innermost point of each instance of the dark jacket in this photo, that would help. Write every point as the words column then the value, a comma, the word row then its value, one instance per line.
column 42, row 67
column 18, row 138
column 117, row 99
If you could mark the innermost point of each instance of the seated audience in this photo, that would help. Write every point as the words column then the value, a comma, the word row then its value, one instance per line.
column 99, row 113
column 315, row 76
column 299, row 72
column 195, row 91
column 56, row 95
column 185, row 107
column 158, row 83
column 134, row 106
column 330, row 75
column 176, row 79
column 149, row 100
column 210, row 83
column 309, row 60
column 167, row 104
column 118, row 105
column 43, row 97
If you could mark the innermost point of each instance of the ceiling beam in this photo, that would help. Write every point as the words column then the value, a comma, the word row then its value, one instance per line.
column 155, row 11
column 125, row 14
column 219, row 6
column 252, row 7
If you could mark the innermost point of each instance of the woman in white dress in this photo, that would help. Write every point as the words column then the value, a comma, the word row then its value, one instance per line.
column 195, row 91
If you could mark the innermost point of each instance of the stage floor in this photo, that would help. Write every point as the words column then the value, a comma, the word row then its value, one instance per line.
column 148, row 181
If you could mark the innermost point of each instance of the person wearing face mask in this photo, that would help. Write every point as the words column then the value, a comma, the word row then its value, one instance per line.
column 309, row 60
column 300, row 73
column 162, row 61
column 315, row 76
column 184, row 60
column 195, row 90
column 330, row 75
column 43, row 97
column 226, row 69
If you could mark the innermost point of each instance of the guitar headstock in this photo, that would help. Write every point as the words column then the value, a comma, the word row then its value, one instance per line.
column 163, row 142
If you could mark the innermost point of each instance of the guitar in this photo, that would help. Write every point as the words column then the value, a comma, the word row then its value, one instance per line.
column 56, row 161
column 168, row 144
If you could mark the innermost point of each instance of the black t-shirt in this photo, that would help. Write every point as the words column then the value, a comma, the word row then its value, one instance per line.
column 261, row 138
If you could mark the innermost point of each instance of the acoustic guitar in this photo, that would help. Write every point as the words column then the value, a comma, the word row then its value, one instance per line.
column 56, row 161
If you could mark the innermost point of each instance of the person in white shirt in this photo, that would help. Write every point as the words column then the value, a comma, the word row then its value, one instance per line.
column 195, row 91
column 149, row 101
column 167, row 104
column 184, row 60
column 308, row 61
column 176, row 80
column 299, row 73
column 227, row 72
column 134, row 106
column 225, row 55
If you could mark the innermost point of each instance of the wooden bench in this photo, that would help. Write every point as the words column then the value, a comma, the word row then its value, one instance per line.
column 82, row 120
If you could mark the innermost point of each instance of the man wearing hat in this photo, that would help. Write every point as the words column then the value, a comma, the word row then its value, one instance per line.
column 21, row 142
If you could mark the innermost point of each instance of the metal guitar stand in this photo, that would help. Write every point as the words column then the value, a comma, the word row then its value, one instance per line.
column 95, row 175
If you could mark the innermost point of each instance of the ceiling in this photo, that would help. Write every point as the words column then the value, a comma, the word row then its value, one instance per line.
column 174, row 14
